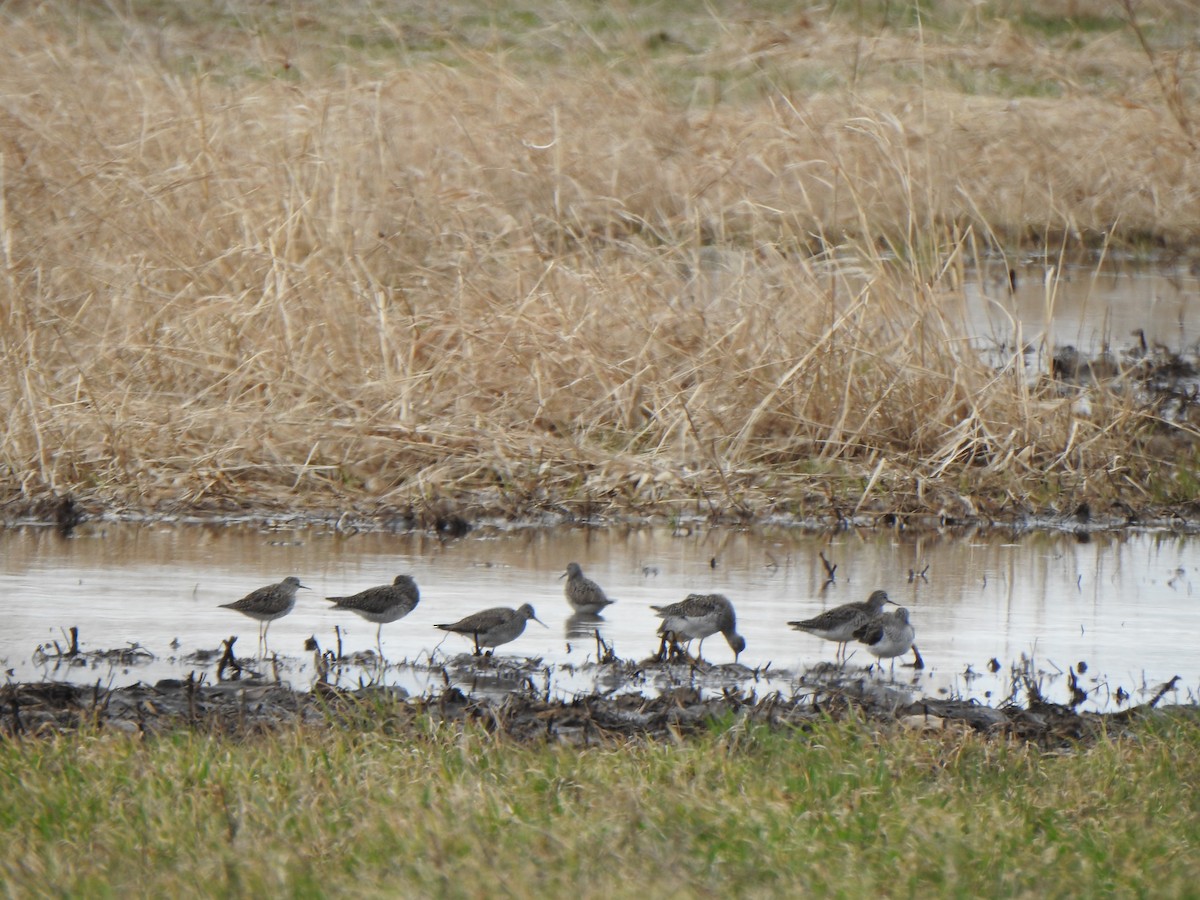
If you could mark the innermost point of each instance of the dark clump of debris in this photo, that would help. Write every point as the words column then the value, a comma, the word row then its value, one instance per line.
column 56, row 707
column 524, row 716
column 1168, row 380
column 53, row 653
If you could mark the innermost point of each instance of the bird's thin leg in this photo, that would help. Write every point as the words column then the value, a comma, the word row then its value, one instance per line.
column 917, row 663
column 684, row 649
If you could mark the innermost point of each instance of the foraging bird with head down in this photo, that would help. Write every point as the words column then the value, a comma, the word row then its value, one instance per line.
column 698, row 616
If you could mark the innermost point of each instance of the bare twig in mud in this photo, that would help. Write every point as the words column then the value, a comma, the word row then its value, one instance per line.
column 670, row 651
column 229, row 661
column 132, row 655
column 913, row 574
column 1033, row 693
column 1078, row 694
column 1169, row 686
column 830, row 569
column 322, row 661
column 604, row 650
column 193, row 717
column 101, row 697
column 663, row 650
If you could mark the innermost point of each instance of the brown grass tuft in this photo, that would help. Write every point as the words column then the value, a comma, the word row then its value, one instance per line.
column 246, row 266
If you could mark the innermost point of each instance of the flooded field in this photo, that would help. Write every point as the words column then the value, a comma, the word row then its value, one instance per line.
column 1110, row 607
column 1121, row 310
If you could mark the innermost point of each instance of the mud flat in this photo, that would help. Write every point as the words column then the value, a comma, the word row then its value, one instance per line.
column 527, row 713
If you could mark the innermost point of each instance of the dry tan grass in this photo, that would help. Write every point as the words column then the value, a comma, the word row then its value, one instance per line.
column 559, row 283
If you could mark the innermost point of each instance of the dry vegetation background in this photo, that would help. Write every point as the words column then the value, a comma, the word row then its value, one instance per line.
column 572, row 256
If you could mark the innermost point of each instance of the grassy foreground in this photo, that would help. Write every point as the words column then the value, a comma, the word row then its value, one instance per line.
column 428, row 810
column 662, row 257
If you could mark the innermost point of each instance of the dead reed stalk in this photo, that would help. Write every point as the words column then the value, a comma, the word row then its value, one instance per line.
column 553, row 288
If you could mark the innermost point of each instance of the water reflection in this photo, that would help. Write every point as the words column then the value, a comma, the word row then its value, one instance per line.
column 1050, row 605
column 583, row 626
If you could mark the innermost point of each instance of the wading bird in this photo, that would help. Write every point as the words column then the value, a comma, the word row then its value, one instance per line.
column 493, row 627
column 698, row 616
column 840, row 623
column 382, row 604
column 268, row 604
column 584, row 595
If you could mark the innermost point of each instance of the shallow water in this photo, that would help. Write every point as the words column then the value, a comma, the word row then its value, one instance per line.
column 1091, row 309
column 1122, row 604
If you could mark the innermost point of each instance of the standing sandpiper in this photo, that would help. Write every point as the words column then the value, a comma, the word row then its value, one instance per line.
column 888, row 635
column 840, row 623
column 584, row 595
column 698, row 616
column 268, row 603
column 383, row 604
column 493, row 627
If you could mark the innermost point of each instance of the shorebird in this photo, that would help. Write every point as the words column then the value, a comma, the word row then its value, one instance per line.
column 888, row 635
column 698, row 616
column 584, row 595
column 495, row 626
column 268, row 603
column 840, row 623
column 382, row 604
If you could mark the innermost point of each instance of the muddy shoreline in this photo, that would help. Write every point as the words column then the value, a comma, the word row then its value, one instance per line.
column 456, row 519
column 246, row 707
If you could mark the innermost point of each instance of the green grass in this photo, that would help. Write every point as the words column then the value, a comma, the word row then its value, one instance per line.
column 422, row 808
column 1057, row 26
